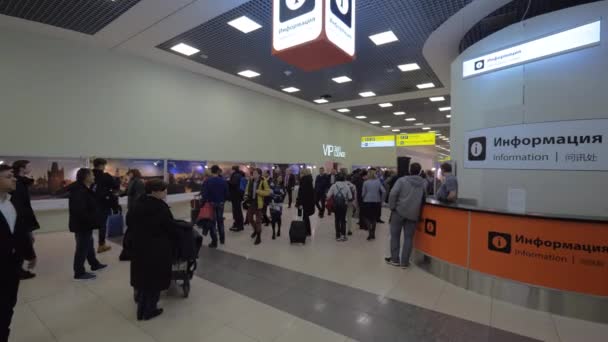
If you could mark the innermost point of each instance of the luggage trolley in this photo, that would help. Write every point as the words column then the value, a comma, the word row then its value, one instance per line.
column 185, row 257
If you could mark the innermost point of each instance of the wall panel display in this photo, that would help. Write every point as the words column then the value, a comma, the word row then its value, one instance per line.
column 50, row 176
column 185, row 176
column 580, row 145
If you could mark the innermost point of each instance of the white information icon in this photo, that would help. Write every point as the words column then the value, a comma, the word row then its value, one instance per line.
column 343, row 5
column 294, row 4
column 476, row 149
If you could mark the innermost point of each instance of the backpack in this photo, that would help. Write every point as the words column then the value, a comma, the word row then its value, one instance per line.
column 339, row 199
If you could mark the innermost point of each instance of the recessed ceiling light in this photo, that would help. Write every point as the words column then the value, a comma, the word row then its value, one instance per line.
column 344, row 110
column 249, row 74
column 437, row 99
column 367, row 94
column 410, row 119
column 374, row 122
column 438, row 134
column 449, row 116
column 321, row 101
column 385, row 105
column 360, row 117
column 426, row 128
column 409, row 67
column 341, row 79
column 418, row 124
column 244, row 24
column 384, row 38
column 445, row 109
column 185, row 49
column 386, row 126
column 426, row 85
column 396, row 130
column 291, row 90
column 399, row 113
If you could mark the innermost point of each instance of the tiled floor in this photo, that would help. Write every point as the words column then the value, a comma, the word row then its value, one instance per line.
column 255, row 300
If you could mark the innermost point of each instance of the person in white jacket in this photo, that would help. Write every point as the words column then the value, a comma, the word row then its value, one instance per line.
column 340, row 194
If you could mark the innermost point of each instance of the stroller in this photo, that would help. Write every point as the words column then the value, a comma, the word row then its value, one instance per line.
column 185, row 255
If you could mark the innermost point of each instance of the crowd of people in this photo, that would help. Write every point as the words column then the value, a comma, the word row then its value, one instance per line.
column 257, row 199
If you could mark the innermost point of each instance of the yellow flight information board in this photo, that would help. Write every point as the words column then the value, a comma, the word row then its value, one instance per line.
column 378, row 141
column 416, row 139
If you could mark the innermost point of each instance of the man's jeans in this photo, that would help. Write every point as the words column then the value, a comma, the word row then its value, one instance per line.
column 103, row 229
column 85, row 250
column 398, row 224
column 218, row 223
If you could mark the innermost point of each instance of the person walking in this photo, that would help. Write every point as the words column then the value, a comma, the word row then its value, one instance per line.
column 256, row 192
column 322, row 184
column 352, row 206
column 289, row 182
column 358, row 179
column 306, row 199
column 372, row 193
column 154, row 235
column 276, row 207
column 340, row 194
column 84, row 218
column 104, row 188
column 136, row 187
column 265, row 218
column 215, row 192
column 405, row 201
column 21, row 171
column 236, row 199
column 15, row 246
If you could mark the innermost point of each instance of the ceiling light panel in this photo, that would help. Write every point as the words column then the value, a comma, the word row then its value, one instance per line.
column 409, row 67
column 385, row 105
column 244, row 24
column 367, row 94
column 399, row 113
column 437, row 99
column 426, row 85
column 185, row 49
column 341, row 79
column 249, row 73
column 321, row 101
column 384, row 38
column 344, row 110
column 291, row 90
column 374, row 122
column 361, row 117
column 445, row 109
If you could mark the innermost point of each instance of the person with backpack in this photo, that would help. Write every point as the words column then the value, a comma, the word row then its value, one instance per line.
column 277, row 196
column 340, row 195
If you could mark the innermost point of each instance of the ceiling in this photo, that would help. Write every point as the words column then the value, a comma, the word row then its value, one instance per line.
column 431, row 33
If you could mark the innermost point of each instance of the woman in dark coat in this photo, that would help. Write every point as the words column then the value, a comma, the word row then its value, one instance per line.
column 153, row 233
column 136, row 187
column 306, row 198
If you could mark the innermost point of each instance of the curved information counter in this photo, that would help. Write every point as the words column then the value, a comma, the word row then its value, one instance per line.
column 545, row 262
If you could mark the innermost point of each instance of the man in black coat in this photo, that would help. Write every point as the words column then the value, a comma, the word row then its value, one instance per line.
column 289, row 182
column 153, row 234
column 236, row 198
column 105, row 190
column 21, row 195
column 15, row 246
column 83, row 220
column 322, row 185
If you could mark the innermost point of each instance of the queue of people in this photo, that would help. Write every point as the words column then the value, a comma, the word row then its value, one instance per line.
column 152, row 231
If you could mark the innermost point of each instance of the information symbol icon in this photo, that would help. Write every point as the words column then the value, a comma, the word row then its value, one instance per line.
column 477, row 149
column 295, row 4
column 343, row 6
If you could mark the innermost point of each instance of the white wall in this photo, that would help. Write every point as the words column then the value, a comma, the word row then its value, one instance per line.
column 58, row 98
column 566, row 87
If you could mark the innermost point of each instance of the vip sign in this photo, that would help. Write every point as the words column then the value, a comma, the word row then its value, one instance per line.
column 333, row 151
column 314, row 34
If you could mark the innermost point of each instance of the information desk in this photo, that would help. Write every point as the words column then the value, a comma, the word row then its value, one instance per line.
column 545, row 262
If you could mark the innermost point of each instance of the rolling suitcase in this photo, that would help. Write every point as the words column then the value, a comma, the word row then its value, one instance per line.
column 297, row 230
column 115, row 224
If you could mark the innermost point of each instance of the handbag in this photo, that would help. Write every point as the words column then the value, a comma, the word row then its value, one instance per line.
column 206, row 212
column 329, row 204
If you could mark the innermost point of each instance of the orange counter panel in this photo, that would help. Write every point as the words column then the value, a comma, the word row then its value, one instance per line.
column 501, row 246
column 443, row 233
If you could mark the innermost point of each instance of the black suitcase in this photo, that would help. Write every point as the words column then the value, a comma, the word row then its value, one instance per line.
column 297, row 232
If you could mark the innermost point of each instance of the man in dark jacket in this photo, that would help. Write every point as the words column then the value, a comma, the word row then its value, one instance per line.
column 215, row 191
column 322, row 184
column 359, row 177
column 289, row 182
column 21, row 170
column 105, row 190
column 153, row 234
column 236, row 198
column 83, row 220
column 15, row 246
